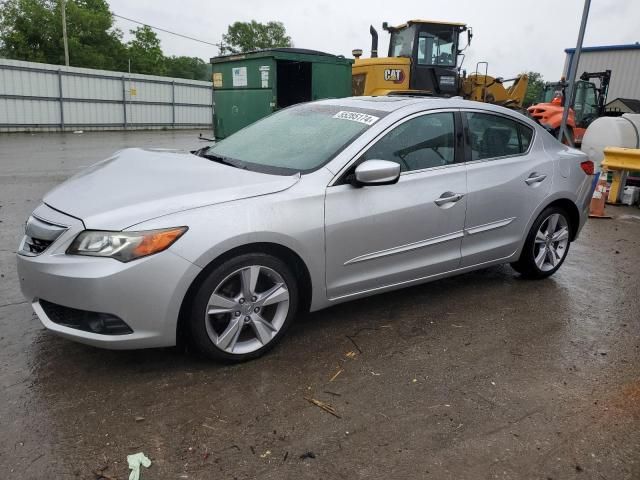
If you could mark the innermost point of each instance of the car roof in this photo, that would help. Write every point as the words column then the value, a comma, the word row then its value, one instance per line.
column 389, row 103
column 392, row 103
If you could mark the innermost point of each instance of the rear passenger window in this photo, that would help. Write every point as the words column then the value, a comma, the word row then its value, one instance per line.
column 422, row 142
column 492, row 136
column 525, row 136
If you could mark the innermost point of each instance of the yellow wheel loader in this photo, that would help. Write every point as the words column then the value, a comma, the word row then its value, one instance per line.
column 425, row 58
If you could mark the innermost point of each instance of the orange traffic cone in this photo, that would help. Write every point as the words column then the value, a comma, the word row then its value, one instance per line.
column 599, row 198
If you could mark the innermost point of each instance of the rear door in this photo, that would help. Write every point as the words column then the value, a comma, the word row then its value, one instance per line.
column 508, row 175
column 380, row 236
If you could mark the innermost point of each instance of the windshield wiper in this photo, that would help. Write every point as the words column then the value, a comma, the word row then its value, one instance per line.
column 223, row 160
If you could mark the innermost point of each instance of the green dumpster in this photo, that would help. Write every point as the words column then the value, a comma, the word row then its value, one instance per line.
column 249, row 86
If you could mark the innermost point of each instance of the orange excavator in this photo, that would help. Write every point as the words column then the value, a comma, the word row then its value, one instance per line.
column 588, row 103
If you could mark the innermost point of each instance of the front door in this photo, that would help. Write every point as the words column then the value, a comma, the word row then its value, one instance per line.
column 380, row 236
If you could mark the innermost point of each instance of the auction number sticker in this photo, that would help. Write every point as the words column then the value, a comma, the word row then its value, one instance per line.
column 357, row 117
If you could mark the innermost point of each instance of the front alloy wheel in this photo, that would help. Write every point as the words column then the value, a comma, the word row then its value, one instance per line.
column 243, row 307
column 247, row 309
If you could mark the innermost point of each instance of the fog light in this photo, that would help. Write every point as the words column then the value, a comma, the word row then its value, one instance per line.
column 94, row 322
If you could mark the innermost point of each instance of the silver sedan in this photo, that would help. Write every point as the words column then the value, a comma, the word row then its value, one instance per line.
column 314, row 205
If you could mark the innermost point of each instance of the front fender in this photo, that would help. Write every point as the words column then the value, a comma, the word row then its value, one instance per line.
column 292, row 219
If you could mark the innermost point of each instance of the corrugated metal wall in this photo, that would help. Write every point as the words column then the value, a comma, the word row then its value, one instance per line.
column 624, row 66
column 42, row 97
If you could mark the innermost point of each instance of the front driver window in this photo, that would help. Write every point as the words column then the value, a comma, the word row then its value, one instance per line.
column 422, row 142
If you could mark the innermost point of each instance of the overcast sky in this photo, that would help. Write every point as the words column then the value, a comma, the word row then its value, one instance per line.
column 515, row 36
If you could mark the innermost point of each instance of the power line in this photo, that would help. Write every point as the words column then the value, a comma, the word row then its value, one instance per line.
column 166, row 31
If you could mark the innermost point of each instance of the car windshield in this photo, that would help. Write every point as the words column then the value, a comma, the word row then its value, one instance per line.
column 297, row 139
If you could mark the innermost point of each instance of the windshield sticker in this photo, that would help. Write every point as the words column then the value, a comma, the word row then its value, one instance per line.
column 357, row 117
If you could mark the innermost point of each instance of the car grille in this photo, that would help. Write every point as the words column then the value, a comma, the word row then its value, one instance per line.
column 94, row 322
column 35, row 245
column 39, row 235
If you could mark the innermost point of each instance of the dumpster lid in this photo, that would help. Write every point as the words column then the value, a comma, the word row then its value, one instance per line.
column 280, row 52
column 305, row 51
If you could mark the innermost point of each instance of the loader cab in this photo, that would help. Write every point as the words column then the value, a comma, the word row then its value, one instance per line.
column 433, row 48
column 584, row 104
column 549, row 92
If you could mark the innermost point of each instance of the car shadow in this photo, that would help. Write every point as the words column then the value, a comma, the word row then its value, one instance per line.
column 314, row 333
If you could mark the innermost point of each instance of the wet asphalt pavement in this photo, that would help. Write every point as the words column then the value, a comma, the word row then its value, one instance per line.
column 477, row 377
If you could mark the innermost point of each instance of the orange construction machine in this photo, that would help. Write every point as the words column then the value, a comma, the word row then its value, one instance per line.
column 588, row 103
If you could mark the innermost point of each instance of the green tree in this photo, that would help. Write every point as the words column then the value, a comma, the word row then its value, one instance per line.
column 248, row 36
column 145, row 52
column 187, row 67
column 93, row 40
column 536, row 84
column 32, row 30
column 25, row 30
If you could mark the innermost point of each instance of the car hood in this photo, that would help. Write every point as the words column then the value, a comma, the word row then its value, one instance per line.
column 136, row 185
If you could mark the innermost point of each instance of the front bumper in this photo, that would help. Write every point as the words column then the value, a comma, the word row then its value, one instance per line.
column 145, row 293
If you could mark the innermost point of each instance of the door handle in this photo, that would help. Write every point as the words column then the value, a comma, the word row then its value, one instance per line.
column 535, row 178
column 448, row 197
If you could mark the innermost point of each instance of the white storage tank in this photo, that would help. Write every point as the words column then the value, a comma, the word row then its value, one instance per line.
column 630, row 195
column 604, row 132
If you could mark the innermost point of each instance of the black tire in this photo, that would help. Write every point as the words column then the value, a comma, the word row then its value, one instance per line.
column 526, row 264
column 198, row 334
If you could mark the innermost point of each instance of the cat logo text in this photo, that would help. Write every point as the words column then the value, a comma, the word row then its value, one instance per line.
column 394, row 75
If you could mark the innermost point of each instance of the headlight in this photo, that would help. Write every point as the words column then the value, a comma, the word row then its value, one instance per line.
column 124, row 246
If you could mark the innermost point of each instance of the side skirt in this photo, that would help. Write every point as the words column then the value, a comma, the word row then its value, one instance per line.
column 417, row 281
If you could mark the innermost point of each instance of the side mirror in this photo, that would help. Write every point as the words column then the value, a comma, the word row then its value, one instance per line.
column 376, row 172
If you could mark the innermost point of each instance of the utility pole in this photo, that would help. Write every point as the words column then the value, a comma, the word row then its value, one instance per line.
column 573, row 68
column 221, row 47
column 64, row 32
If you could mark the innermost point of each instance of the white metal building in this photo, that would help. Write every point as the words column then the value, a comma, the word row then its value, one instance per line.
column 622, row 60
column 43, row 97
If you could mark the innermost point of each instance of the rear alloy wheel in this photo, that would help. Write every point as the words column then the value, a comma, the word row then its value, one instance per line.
column 243, row 307
column 546, row 246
